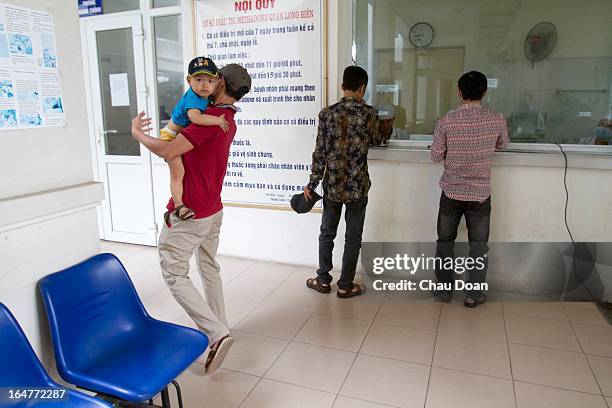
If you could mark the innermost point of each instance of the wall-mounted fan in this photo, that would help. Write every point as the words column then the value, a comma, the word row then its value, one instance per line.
column 540, row 42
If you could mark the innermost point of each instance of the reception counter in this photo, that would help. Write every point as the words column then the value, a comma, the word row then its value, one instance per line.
column 528, row 195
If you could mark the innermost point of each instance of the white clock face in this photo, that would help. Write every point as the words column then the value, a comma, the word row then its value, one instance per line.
column 421, row 35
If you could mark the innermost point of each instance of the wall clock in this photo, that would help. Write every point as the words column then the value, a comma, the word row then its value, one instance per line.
column 421, row 35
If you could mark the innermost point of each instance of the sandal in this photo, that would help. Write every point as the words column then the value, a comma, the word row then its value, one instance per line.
column 474, row 299
column 356, row 290
column 184, row 213
column 314, row 283
column 216, row 355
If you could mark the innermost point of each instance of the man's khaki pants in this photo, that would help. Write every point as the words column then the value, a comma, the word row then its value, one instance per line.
column 176, row 245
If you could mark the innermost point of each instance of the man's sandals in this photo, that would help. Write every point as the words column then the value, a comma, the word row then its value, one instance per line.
column 315, row 283
column 182, row 212
column 356, row 290
column 474, row 298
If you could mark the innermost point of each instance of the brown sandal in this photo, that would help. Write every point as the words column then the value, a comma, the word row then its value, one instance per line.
column 314, row 283
column 473, row 299
column 356, row 290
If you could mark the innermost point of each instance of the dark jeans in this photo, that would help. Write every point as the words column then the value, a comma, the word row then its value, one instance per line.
column 477, row 219
column 354, row 216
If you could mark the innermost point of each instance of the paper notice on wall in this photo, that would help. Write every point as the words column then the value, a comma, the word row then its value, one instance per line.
column 120, row 93
column 30, row 90
column 281, row 44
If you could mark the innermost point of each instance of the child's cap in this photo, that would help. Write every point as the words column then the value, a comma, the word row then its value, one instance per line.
column 202, row 65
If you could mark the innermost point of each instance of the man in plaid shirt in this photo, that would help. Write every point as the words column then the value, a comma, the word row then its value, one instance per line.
column 466, row 139
column 346, row 131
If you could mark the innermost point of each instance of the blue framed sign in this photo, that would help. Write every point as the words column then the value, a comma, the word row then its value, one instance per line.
column 89, row 7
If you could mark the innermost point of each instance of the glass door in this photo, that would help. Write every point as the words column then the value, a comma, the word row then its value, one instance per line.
column 119, row 92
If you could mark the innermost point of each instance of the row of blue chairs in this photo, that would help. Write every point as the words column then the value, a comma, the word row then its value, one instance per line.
column 104, row 341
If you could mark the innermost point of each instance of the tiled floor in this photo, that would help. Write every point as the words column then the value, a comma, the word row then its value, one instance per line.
column 298, row 348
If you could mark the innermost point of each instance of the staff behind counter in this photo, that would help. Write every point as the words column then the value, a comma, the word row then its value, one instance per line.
column 386, row 115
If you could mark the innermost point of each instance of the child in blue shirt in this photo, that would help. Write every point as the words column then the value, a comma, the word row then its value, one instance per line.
column 202, row 79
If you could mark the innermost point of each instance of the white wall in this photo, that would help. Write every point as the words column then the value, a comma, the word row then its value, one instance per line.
column 47, row 194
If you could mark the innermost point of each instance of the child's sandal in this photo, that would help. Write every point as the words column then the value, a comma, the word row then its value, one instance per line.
column 184, row 212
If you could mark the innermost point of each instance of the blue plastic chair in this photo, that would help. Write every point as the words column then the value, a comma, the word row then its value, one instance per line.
column 105, row 340
column 20, row 368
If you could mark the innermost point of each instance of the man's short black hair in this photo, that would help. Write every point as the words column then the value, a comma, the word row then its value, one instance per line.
column 353, row 78
column 472, row 85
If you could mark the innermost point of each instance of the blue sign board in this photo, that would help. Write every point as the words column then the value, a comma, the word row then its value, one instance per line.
column 89, row 7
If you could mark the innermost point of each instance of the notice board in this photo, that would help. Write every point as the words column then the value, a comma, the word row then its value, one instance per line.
column 30, row 89
column 282, row 45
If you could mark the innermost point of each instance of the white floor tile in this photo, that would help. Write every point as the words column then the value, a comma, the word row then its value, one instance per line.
column 419, row 315
column 449, row 388
column 471, row 354
column 144, row 272
column 541, row 332
column 555, row 368
column 273, row 321
column 121, row 250
column 384, row 381
column 253, row 354
column 346, row 402
column 602, row 367
column 349, row 308
column 163, row 306
column 271, row 394
column 145, row 290
column 595, row 339
column 223, row 389
column 295, row 297
column 248, row 290
column 400, row 343
column 233, row 266
column 538, row 396
column 584, row 312
column 542, row 310
column 269, row 271
column 236, row 310
column 310, row 366
column 333, row 331
column 473, row 322
column 146, row 254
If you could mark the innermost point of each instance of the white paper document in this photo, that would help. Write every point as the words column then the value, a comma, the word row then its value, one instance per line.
column 120, row 93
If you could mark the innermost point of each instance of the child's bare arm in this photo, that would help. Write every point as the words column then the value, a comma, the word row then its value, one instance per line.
column 199, row 118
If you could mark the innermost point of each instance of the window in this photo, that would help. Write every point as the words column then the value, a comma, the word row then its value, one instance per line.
column 116, row 6
column 169, row 64
column 549, row 91
column 165, row 3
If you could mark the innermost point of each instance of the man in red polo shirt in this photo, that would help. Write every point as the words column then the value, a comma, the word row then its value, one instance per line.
column 205, row 152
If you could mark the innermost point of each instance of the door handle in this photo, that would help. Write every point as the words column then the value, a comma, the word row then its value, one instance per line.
column 110, row 131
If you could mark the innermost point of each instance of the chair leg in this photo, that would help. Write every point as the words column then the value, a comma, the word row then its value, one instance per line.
column 165, row 398
column 178, row 393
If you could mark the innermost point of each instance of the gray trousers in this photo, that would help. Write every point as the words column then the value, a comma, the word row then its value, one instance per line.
column 176, row 246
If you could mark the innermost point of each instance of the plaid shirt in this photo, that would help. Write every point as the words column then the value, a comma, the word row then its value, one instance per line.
column 346, row 130
column 466, row 139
